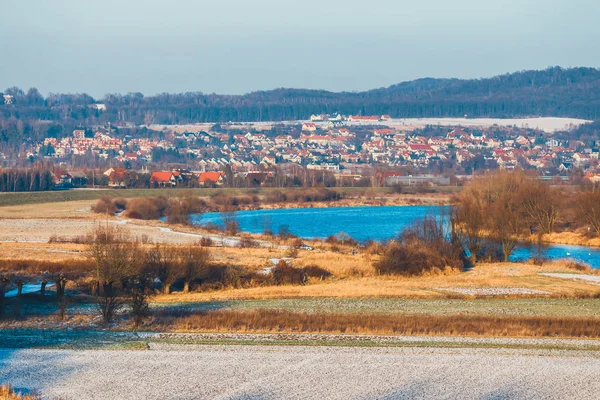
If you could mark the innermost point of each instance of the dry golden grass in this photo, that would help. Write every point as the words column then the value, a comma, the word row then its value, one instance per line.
column 42, row 251
column 573, row 238
column 428, row 286
column 7, row 393
column 290, row 322
column 340, row 265
column 251, row 258
column 65, row 209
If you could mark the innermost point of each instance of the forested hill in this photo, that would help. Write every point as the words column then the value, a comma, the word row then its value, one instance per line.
column 555, row 91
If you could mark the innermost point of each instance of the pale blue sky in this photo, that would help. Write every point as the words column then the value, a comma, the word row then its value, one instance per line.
column 236, row 46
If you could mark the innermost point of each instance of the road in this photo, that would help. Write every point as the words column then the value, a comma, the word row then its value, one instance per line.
column 300, row 372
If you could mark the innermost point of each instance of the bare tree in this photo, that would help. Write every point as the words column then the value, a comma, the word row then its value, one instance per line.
column 138, row 298
column 506, row 222
column 194, row 260
column 541, row 204
column 587, row 205
column 61, row 283
column 4, row 281
column 116, row 259
column 469, row 225
column 115, row 256
column 163, row 262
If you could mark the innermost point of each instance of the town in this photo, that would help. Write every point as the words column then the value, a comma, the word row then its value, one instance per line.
column 328, row 150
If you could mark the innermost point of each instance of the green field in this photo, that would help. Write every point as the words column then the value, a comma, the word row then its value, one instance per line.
column 589, row 308
column 11, row 199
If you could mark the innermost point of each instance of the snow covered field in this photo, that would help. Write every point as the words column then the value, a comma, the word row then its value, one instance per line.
column 546, row 124
column 276, row 372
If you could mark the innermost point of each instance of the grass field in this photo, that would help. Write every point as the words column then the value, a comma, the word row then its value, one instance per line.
column 303, row 372
column 503, row 275
column 8, row 199
column 549, row 307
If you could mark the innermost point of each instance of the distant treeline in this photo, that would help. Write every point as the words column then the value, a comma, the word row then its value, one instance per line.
column 26, row 180
column 555, row 91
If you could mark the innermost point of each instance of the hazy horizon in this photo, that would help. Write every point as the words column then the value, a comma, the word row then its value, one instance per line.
column 237, row 47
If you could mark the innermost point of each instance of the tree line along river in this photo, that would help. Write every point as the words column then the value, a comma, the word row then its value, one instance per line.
column 364, row 223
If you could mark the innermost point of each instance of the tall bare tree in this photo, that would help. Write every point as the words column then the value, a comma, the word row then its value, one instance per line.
column 164, row 263
column 194, row 261
column 587, row 205
column 116, row 259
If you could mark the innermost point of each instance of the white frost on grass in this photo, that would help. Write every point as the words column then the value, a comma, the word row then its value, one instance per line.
column 282, row 372
column 493, row 291
column 594, row 279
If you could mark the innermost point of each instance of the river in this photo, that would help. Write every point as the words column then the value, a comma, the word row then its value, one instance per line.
column 364, row 223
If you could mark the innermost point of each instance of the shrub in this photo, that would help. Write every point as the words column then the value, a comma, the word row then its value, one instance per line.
column 177, row 214
column 212, row 227
column 206, row 242
column 246, row 242
column 120, row 203
column 143, row 208
column 412, row 259
column 160, row 203
column 232, row 276
column 285, row 274
column 105, row 205
column 292, row 252
column 341, row 239
column 284, row 232
column 232, row 227
column 314, row 271
column 268, row 232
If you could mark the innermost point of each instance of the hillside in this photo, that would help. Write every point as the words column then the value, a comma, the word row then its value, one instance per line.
column 573, row 92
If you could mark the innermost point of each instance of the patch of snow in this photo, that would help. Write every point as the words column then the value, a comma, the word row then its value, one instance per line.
column 27, row 288
column 493, row 291
column 594, row 279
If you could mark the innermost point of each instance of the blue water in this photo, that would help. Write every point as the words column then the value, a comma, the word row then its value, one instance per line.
column 363, row 223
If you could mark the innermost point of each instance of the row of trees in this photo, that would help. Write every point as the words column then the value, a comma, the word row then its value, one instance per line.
column 496, row 211
column 554, row 91
column 26, row 180
column 125, row 271
column 489, row 219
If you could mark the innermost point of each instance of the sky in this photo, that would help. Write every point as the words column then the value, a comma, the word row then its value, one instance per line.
column 238, row 46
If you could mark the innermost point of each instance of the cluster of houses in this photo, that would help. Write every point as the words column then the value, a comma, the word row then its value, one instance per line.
column 326, row 143
column 117, row 177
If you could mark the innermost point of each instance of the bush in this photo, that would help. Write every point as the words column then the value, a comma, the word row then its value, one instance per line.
column 212, row 227
column 246, row 242
column 105, row 205
column 412, row 259
column 143, row 208
column 232, row 276
column 177, row 214
column 341, row 239
column 120, row 203
column 285, row 274
column 232, row 227
column 314, row 271
column 206, row 242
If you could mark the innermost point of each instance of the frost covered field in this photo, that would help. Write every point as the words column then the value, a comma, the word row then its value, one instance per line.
column 296, row 372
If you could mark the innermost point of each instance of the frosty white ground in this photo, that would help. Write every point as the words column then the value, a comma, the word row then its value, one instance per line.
column 546, row 124
column 594, row 279
column 275, row 372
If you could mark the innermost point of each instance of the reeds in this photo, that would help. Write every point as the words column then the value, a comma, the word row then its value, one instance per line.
column 464, row 325
column 7, row 393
